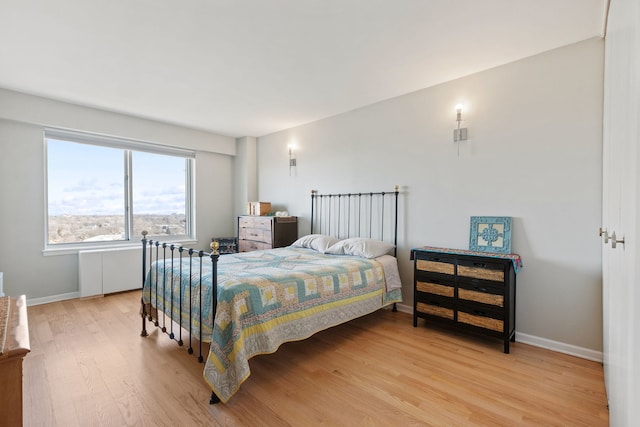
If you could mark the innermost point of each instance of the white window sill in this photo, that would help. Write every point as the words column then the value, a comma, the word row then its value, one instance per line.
column 74, row 249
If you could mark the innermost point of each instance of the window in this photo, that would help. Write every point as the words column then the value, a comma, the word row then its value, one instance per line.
column 102, row 190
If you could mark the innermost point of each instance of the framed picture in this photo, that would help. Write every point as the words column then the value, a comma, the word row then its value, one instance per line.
column 490, row 234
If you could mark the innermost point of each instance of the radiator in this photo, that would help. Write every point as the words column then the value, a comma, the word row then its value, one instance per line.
column 111, row 270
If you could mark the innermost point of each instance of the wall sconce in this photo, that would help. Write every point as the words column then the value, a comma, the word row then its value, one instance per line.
column 292, row 159
column 459, row 134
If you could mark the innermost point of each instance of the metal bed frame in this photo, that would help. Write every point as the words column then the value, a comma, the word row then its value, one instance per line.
column 340, row 215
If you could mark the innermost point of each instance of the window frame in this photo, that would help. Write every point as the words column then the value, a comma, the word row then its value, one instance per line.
column 129, row 146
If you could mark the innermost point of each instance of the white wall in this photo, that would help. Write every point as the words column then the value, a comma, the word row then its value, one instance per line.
column 534, row 153
column 22, row 117
column 245, row 182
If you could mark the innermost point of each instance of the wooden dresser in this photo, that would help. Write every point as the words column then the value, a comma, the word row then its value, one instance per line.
column 14, row 345
column 266, row 232
column 473, row 291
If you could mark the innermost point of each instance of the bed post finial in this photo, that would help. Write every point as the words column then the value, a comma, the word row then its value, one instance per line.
column 214, row 247
column 144, row 234
column 396, row 188
column 314, row 194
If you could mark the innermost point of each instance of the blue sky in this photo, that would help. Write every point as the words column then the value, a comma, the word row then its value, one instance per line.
column 87, row 179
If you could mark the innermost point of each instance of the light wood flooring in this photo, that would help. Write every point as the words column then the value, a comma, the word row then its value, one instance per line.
column 89, row 367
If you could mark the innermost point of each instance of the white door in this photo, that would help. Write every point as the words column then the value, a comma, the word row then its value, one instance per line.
column 621, row 186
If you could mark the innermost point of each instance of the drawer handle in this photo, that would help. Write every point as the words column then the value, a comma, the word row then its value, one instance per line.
column 434, row 303
column 480, row 264
column 479, row 312
column 478, row 288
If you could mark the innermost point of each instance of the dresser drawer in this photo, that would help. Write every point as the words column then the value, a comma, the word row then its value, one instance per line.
column 435, row 305
column 255, row 222
column 481, row 270
column 434, row 310
column 490, row 295
column 255, row 234
column 481, row 321
column 483, row 316
column 435, row 288
column 250, row 245
column 436, row 265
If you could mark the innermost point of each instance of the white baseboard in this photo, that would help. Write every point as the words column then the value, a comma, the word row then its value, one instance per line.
column 53, row 298
column 548, row 344
column 560, row 347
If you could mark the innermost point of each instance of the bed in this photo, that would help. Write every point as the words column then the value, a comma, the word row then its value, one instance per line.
column 340, row 271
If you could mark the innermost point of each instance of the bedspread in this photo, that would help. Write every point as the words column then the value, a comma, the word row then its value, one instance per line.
column 267, row 298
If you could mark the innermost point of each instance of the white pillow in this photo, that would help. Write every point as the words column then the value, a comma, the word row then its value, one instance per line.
column 360, row 246
column 318, row 242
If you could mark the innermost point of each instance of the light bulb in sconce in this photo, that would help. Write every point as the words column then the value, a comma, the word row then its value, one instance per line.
column 459, row 113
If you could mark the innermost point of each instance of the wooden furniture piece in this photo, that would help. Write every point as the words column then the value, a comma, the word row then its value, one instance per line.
column 14, row 345
column 474, row 291
column 266, row 232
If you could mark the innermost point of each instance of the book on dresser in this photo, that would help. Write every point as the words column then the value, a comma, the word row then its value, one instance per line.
column 472, row 291
column 266, row 232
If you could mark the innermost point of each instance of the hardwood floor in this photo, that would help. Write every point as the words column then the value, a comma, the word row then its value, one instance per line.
column 88, row 366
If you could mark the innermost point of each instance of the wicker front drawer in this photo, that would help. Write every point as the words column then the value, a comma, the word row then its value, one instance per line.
column 478, row 272
column 435, row 310
column 481, row 321
column 483, row 297
column 435, row 266
column 435, row 288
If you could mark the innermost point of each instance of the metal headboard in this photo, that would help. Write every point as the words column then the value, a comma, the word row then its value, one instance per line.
column 372, row 215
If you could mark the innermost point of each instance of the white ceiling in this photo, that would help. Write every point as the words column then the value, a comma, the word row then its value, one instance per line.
column 254, row 67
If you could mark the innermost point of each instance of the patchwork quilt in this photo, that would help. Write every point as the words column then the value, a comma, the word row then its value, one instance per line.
column 265, row 298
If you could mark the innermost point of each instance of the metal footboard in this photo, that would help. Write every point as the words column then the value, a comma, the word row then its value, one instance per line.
column 169, row 255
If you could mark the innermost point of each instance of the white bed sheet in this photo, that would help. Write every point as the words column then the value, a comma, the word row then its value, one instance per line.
column 391, row 273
